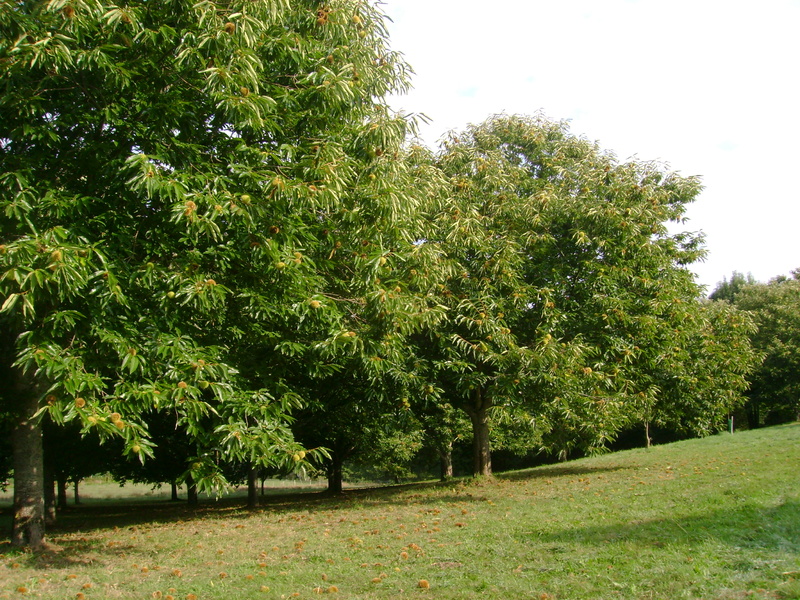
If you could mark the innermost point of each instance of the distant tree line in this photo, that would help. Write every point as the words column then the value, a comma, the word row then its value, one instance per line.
column 773, row 395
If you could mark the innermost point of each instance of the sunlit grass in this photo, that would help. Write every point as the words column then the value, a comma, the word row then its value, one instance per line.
column 716, row 519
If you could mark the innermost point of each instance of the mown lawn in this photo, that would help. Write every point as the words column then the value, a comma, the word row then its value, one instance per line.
column 717, row 518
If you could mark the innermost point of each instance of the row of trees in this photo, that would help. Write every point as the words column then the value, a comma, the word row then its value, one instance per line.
column 774, row 392
column 214, row 226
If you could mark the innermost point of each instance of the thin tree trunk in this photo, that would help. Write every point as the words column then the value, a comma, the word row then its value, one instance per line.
column 252, row 487
column 49, row 497
column 75, row 492
column 446, row 462
column 753, row 414
column 478, row 411
column 28, row 527
column 61, row 483
column 647, row 439
column 191, row 492
column 174, row 491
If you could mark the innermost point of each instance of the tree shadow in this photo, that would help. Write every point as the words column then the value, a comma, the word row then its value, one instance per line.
column 129, row 515
column 749, row 525
column 562, row 470
column 122, row 514
column 402, row 494
column 72, row 553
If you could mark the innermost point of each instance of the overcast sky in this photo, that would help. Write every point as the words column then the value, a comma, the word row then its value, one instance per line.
column 710, row 87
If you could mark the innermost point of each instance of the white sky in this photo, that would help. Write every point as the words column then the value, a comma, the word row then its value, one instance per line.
column 710, row 87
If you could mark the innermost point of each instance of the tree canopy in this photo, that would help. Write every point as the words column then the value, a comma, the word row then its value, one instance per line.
column 563, row 285
column 171, row 172
column 215, row 228
column 774, row 394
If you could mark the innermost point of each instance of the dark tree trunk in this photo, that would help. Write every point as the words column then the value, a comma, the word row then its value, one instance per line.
column 753, row 414
column 28, row 525
column 49, row 497
column 446, row 463
column 61, row 483
column 174, row 491
column 252, row 487
column 335, row 475
column 191, row 491
column 478, row 411
column 75, row 491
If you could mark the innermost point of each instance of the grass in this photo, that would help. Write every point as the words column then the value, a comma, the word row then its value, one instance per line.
column 717, row 518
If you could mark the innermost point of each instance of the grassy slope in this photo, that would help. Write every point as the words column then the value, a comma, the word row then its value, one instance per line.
column 717, row 518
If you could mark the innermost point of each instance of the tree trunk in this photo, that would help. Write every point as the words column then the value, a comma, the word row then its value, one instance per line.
column 75, row 492
column 49, row 497
column 252, row 487
column 753, row 414
column 174, row 491
column 446, row 462
column 478, row 411
column 335, row 475
column 61, row 483
column 647, row 439
column 28, row 525
column 191, row 492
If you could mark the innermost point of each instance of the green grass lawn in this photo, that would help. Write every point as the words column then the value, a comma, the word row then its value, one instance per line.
column 717, row 518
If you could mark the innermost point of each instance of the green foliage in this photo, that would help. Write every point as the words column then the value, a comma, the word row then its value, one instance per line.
column 774, row 394
column 561, row 280
column 175, row 177
column 728, row 290
column 214, row 224
column 703, row 370
column 390, row 454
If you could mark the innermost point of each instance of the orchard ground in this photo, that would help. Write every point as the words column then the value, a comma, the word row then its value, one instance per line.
column 715, row 518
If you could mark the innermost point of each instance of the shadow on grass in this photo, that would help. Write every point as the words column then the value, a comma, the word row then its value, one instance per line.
column 748, row 526
column 561, row 470
column 127, row 514
column 130, row 514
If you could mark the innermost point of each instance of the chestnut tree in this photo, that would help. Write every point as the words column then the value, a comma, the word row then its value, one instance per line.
column 562, row 282
column 774, row 394
column 171, row 174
